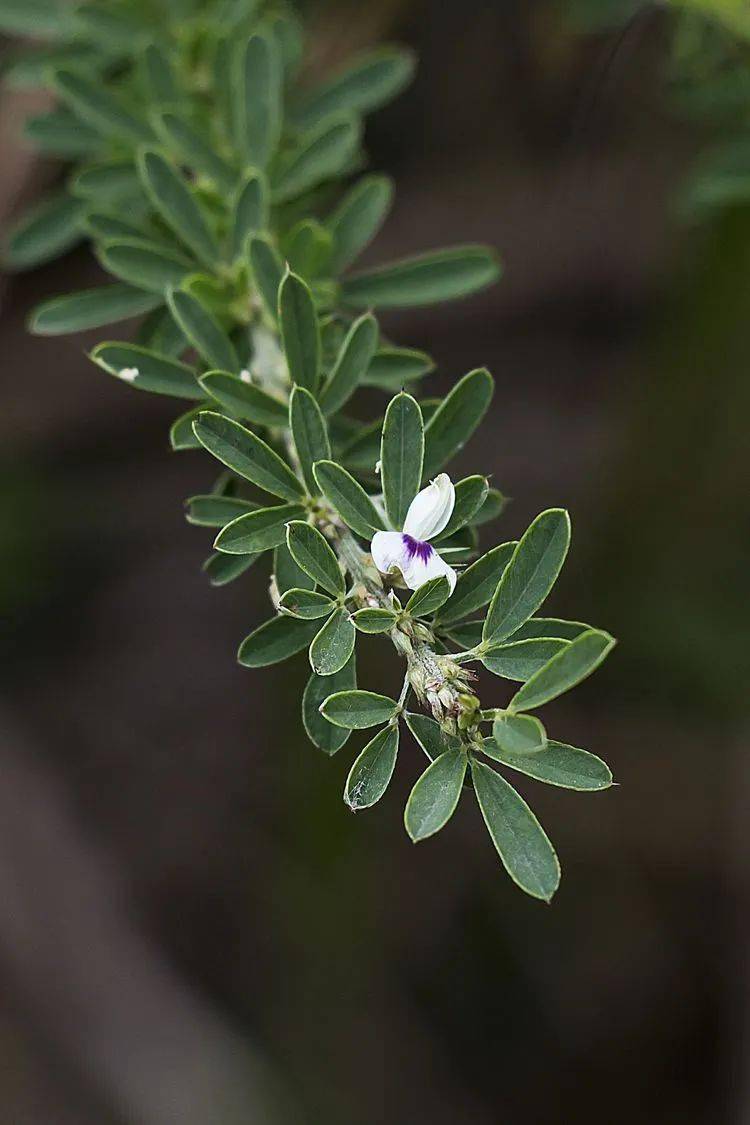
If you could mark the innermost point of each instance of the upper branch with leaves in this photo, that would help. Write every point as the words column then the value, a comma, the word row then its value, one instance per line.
column 223, row 194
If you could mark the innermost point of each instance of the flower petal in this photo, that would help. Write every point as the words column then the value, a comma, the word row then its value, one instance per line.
column 417, row 571
column 431, row 509
column 388, row 550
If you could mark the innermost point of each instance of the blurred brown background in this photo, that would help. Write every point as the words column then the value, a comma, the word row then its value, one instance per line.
column 189, row 916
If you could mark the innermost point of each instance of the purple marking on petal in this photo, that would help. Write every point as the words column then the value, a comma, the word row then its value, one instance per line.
column 415, row 548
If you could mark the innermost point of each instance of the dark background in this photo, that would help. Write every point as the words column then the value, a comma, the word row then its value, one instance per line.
column 188, row 913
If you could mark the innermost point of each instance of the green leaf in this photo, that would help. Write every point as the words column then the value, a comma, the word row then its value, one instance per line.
column 222, row 569
column 37, row 18
column 519, row 734
column 212, row 510
column 181, row 435
column 529, row 576
column 372, row 771
column 251, row 216
column 401, row 454
column 287, row 574
column 311, row 551
column 358, row 709
column 257, row 531
column 268, row 270
column 310, row 433
column 90, row 308
column 430, row 735
column 561, row 765
column 433, row 799
column 368, row 82
column 573, row 663
column 107, row 228
column 300, row 333
column 494, row 505
column 428, row 597
column 62, row 133
column 321, row 154
column 333, row 645
column 326, row 736
column 549, row 627
column 177, row 206
column 466, row 636
column 456, row 419
column 159, row 76
column 194, row 150
column 358, row 218
column 308, row 248
column 248, row 456
column 202, row 330
column 44, row 232
column 110, row 28
column 353, row 361
column 276, row 640
column 160, row 333
column 470, row 493
column 477, row 584
column 111, row 183
column 98, row 108
column 363, row 451
column 307, row 604
column 392, row 368
column 426, row 279
column 147, row 370
column 348, row 497
column 374, row 620
column 521, row 842
column 520, row 660
column 145, row 264
column 244, row 399
column 260, row 110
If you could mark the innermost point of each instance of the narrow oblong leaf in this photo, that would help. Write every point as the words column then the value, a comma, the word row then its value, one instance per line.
column 494, row 505
column 519, row 734
column 145, row 264
column 299, row 332
column 147, row 370
column 260, row 115
column 327, row 736
column 257, row 531
column 308, row 604
column 276, row 640
column 530, row 574
column 401, row 456
column 177, row 205
column 321, row 154
column 214, row 510
column 520, row 660
column 521, row 842
column 392, row 368
column 559, row 764
column 62, row 133
column 90, row 308
column 573, row 663
column 181, row 434
column 202, row 330
column 372, row 771
column 426, row 279
column 477, row 584
column 428, row 597
column 433, row 799
column 430, row 735
column 308, row 248
column 267, row 270
column 352, row 363
column 375, row 620
column 250, row 214
column 358, row 218
column 358, row 709
column 333, row 645
column 244, row 399
column 549, row 627
column 45, row 232
column 99, row 108
column 309, row 432
column 223, row 569
column 247, row 455
column 348, row 497
column 311, row 551
column 193, row 149
column 368, row 82
column 287, row 574
column 456, row 419
column 470, row 494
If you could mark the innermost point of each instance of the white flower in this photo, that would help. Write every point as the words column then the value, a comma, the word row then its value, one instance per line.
column 409, row 550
